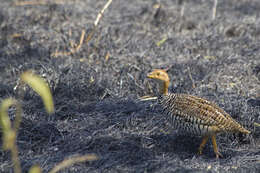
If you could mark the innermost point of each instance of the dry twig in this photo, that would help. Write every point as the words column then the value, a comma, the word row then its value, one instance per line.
column 190, row 76
column 89, row 37
column 99, row 16
column 56, row 54
column 214, row 11
column 183, row 9
column 39, row 2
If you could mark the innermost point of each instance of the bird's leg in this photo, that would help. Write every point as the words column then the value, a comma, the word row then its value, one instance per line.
column 203, row 143
column 215, row 147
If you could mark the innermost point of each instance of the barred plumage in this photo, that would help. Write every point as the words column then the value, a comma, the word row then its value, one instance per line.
column 201, row 116
column 194, row 115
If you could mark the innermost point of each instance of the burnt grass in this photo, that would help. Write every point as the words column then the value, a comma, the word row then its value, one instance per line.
column 96, row 90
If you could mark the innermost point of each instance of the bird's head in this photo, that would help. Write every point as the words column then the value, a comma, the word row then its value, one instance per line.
column 159, row 75
column 162, row 78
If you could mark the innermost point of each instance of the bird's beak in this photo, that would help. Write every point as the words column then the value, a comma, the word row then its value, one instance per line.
column 150, row 75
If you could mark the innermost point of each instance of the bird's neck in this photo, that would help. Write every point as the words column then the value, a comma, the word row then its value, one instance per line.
column 163, row 87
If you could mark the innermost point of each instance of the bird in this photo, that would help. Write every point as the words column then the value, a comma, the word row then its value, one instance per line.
column 194, row 115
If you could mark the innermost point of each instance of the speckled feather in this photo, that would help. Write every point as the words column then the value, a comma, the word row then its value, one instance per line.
column 191, row 114
column 195, row 115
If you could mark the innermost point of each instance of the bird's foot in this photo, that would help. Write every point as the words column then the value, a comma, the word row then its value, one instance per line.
column 200, row 152
column 218, row 154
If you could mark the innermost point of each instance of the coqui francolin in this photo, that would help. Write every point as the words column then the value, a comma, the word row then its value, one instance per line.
column 194, row 115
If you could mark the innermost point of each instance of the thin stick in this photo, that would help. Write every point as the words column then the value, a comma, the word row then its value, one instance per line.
column 81, row 40
column 74, row 50
column 183, row 9
column 100, row 14
column 146, row 98
column 190, row 76
column 89, row 37
column 214, row 11
column 38, row 2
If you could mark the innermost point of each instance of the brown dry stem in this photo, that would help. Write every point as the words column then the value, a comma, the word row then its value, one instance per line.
column 39, row 2
column 89, row 37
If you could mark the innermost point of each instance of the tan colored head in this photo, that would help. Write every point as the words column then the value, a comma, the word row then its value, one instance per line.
column 161, row 77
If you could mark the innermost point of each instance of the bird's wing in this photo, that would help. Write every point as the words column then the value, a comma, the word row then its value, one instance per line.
column 195, row 110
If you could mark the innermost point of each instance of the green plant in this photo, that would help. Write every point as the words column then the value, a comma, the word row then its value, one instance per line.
column 10, row 132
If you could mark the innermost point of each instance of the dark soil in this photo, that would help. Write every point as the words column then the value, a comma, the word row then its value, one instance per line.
column 97, row 89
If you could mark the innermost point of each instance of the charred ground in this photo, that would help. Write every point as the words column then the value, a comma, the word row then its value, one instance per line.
column 96, row 89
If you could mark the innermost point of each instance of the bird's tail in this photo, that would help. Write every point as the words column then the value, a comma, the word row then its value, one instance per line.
column 239, row 128
column 243, row 130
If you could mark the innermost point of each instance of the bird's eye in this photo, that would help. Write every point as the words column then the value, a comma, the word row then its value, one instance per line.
column 158, row 74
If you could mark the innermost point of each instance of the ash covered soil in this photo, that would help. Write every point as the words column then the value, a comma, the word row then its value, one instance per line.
column 96, row 89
